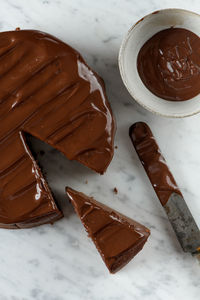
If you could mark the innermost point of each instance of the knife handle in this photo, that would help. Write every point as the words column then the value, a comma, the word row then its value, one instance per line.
column 153, row 161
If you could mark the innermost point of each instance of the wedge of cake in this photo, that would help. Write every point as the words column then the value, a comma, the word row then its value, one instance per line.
column 117, row 237
column 49, row 92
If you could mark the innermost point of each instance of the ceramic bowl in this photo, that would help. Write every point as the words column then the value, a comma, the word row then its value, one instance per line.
column 137, row 35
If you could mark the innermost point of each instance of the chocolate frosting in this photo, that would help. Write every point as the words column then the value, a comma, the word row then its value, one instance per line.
column 169, row 64
column 117, row 238
column 48, row 91
column 153, row 162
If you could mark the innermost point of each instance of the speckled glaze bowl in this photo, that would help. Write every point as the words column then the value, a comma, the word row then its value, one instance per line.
column 137, row 35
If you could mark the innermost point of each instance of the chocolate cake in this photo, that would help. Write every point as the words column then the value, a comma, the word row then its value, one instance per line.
column 117, row 238
column 49, row 92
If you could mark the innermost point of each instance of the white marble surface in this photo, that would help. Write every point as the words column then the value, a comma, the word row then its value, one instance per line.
column 59, row 262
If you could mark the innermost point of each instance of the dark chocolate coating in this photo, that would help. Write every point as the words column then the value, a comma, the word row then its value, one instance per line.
column 153, row 162
column 169, row 64
column 117, row 238
column 48, row 91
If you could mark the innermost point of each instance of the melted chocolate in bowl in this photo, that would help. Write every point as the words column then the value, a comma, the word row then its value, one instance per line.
column 169, row 64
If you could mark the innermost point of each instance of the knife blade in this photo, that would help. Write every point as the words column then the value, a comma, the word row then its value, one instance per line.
column 165, row 187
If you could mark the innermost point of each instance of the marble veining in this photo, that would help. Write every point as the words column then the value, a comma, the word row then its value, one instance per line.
column 59, row 262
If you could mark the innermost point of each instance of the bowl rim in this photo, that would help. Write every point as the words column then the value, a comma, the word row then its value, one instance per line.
column 121, row 68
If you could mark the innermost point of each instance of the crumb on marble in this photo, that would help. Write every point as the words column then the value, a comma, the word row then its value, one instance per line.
column 86, row 182
column 115, row 190
column 116, row 147
column 17, row 28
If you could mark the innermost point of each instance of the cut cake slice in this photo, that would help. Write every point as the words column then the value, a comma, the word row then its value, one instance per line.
column 117, row 237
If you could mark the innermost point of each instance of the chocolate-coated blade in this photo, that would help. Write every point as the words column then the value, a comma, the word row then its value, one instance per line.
column 153, row 161
column 165, row 187
column 183, row 223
